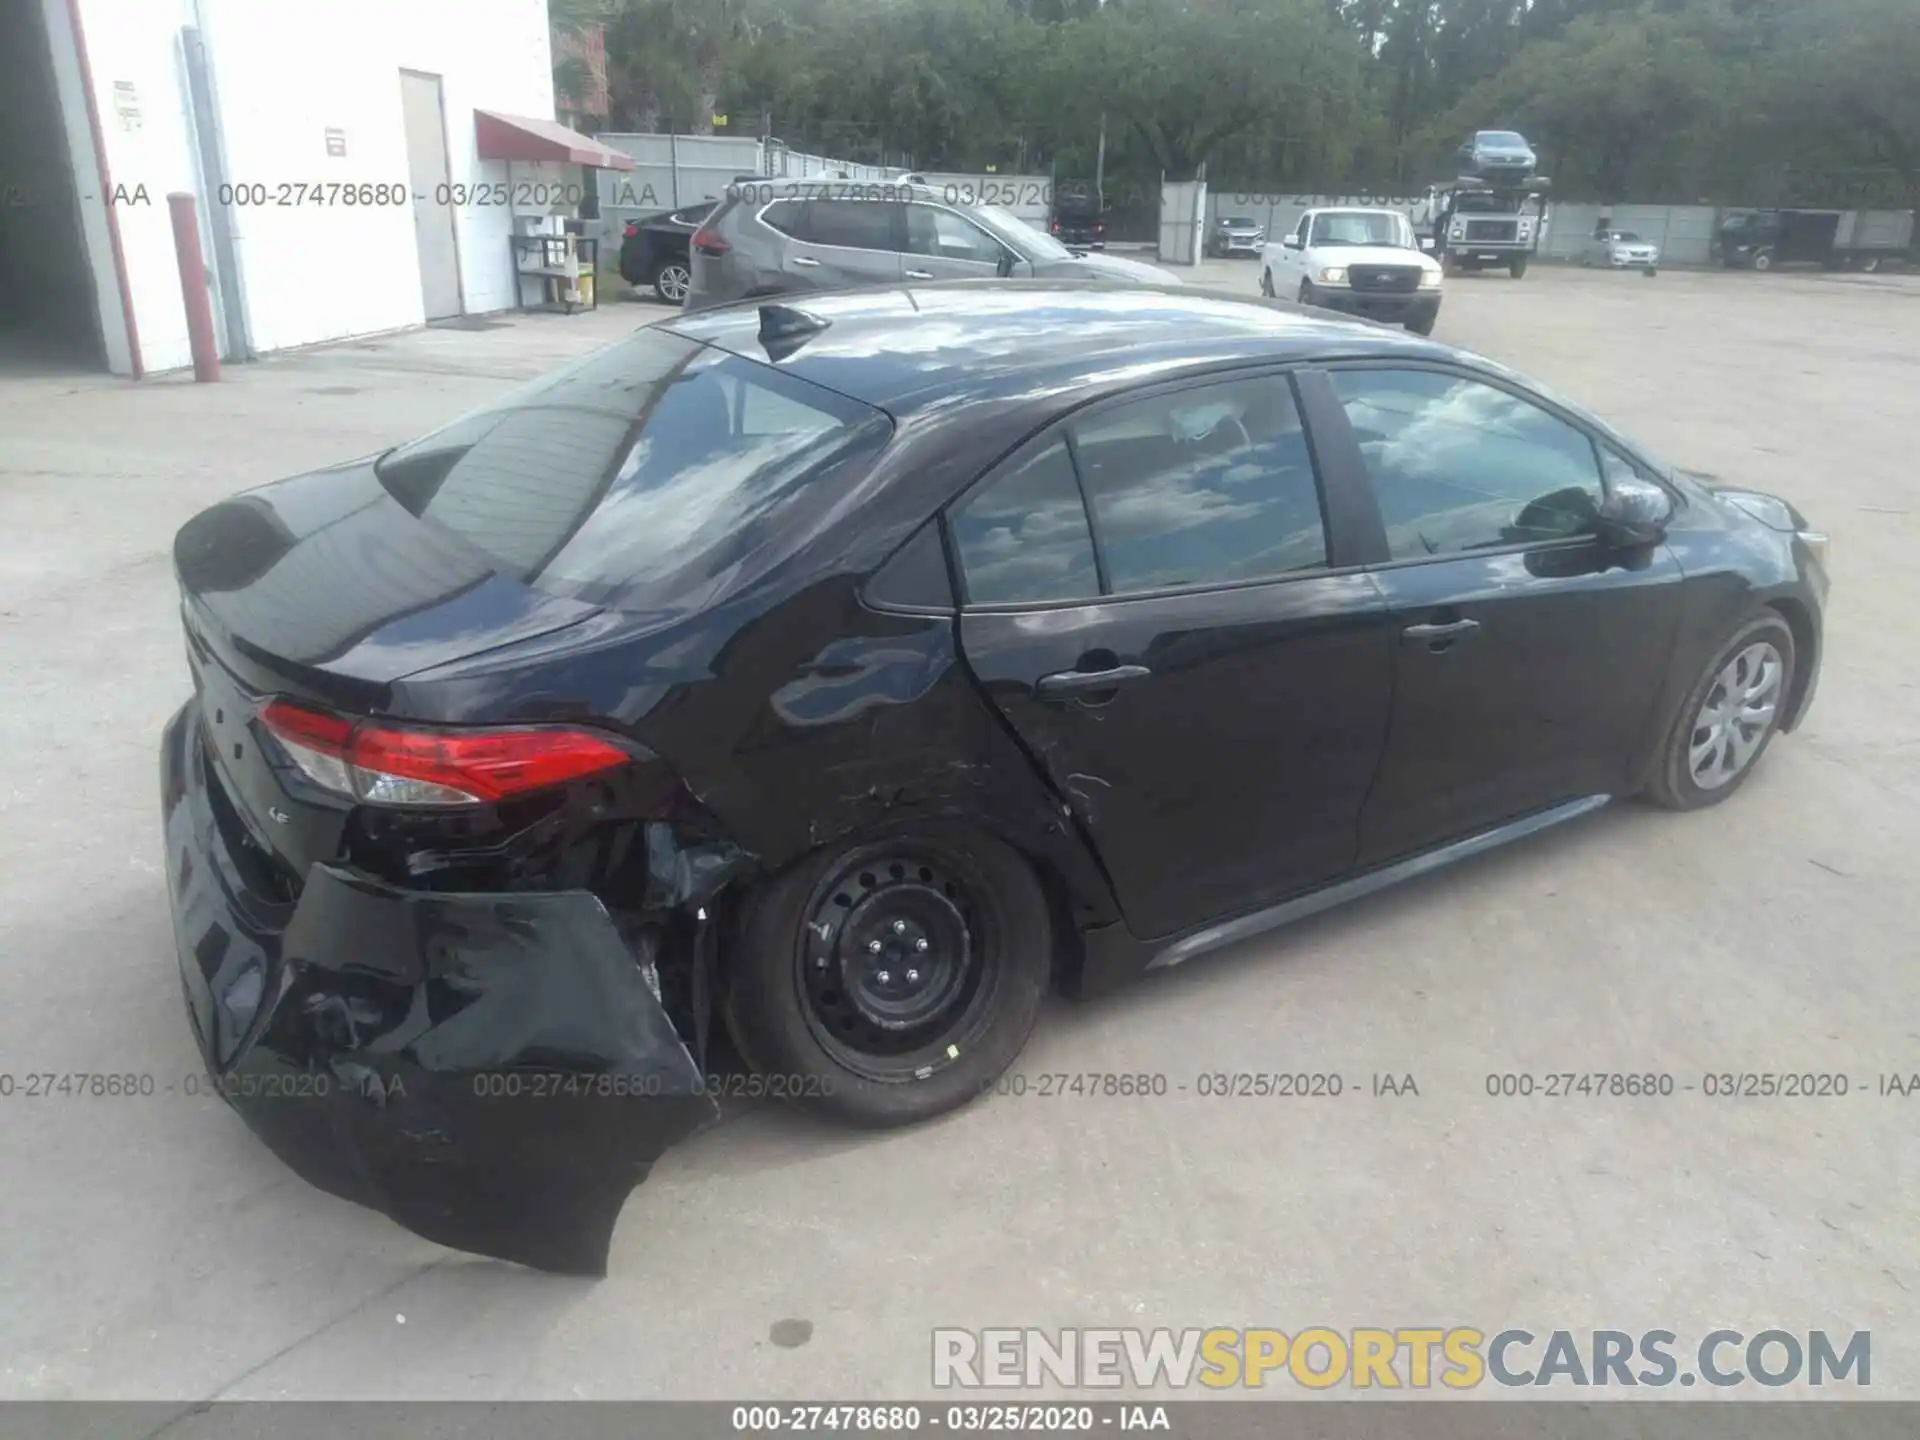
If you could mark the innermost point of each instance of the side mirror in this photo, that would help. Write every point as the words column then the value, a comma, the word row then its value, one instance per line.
column 1634, row 514
column 1292, row 242
column 1005, row 267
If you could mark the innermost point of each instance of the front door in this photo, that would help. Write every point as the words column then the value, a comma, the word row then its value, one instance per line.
column 835, row 244
column 427, row 168
column 1529, row 656
column 1150, row 602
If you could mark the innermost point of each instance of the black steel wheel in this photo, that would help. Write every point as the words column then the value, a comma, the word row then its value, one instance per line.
column 892, row 980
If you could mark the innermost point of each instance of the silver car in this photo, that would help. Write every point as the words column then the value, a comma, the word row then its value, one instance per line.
column 1502, row 156
column 1621, row 249
column 777, row 237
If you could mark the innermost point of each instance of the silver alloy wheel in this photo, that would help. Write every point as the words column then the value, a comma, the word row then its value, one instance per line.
column 1738, row 712
column 672, row 282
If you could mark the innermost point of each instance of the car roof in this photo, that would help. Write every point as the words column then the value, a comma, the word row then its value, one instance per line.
column 909, row 348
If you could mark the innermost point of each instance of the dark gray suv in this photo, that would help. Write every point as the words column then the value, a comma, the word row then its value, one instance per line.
column 777, row 236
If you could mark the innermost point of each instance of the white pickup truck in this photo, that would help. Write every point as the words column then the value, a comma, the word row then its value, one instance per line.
column 1364, row 262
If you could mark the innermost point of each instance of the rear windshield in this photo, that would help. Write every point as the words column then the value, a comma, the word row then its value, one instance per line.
column 652, row 475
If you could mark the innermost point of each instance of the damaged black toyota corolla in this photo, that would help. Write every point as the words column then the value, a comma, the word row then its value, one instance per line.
column 849, row 674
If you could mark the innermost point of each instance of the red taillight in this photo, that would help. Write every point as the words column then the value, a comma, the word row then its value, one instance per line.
column 1056, row 227
column 710, row 242
column 633, row 229
column 387, row 765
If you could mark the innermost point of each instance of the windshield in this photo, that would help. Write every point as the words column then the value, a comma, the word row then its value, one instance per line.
column 1362, row 227
column 1500, row 140
column 1238, row 222
column 651, row 475
column 1626, row 235
column 1033, row 243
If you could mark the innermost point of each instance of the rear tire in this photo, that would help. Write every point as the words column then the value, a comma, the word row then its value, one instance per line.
column 890, row 981
column 1679, row 781
column 671, row 279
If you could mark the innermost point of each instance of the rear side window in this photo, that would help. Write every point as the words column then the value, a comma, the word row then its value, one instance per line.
column 650, row 476
column 1205, row 486
column 850, row 224
column 784, row 216
column 1025, row 537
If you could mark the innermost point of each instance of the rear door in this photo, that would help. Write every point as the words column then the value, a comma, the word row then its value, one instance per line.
column 1529, row 655
column 1160, row 604
column 943, row 244
column 839, row 243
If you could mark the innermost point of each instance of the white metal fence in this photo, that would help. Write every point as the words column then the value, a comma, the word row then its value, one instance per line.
column 1683, row 233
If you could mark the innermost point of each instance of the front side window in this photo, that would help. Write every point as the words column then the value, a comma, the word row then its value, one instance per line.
column 1460, row 465
column 1025, row 537
column 1205, row 486
column 850, row 224
column 934, row 231
column 648, row 476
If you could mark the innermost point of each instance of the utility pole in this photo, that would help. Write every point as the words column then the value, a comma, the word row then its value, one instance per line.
column 1100, row 166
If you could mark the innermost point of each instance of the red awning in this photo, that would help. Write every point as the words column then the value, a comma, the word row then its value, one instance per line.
column 519, row 137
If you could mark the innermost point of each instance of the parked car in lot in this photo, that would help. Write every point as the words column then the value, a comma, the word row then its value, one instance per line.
column 782, row 239
column 1501, row 156
column 854, row 668
column 1365, row 262
column 1078, row 219
column 1622, row 250
column 1235, row 235
column 653, row 250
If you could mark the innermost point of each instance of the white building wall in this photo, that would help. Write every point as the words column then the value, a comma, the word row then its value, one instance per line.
column 283, row 76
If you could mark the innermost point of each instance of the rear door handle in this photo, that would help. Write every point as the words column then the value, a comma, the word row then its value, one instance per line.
column 806, row 261
column 1068, row 683
column 919, row 275
column 1454, row 630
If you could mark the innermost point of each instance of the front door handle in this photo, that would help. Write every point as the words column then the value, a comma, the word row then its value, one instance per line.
column 806, row 261
column 1066, row 684
column 1452, row 630
column 919, row 275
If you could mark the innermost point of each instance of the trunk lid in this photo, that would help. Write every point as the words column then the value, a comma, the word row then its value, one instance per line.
column 325, row 589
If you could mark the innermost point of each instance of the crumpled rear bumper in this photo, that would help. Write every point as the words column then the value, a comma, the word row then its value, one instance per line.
column 492, row 1071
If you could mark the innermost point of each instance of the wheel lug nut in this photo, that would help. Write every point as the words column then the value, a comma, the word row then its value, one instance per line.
column 874, row 946
column 884, row 977
column 913, row 977
column 899, row 927
column 921, row 944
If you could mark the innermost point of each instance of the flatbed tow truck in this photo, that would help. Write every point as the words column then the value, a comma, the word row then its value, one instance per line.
column 1475, row 224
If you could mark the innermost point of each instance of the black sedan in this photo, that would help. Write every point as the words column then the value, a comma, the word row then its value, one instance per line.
column 849, row 673
column 653, row 250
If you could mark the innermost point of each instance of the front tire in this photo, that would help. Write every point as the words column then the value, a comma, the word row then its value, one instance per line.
column 1266, row 282
column 1305, row 297
column 1727, row 719
column 1517, row 266
column 891, row 981
column 1423, row 324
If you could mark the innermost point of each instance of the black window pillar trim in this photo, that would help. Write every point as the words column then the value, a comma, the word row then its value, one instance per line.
column 1356, row 533
column 1094, row 536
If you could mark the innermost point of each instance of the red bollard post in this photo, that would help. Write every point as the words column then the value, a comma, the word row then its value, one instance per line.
column 193, row 287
